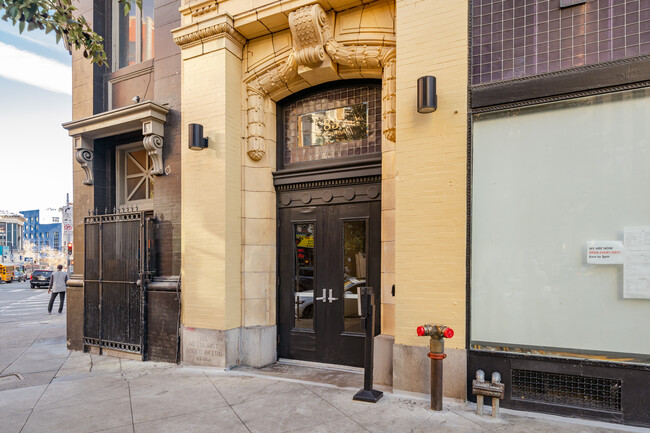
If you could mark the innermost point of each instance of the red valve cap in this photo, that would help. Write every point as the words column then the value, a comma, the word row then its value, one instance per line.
column 420, row 331
column 448, row 333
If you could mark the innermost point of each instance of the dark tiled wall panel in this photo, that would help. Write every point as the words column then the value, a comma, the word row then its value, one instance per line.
column 519, row 38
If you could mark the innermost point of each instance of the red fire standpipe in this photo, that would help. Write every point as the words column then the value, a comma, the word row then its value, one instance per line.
column 437, row 353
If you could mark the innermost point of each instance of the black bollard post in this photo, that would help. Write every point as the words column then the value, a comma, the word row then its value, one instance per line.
column 368, row 394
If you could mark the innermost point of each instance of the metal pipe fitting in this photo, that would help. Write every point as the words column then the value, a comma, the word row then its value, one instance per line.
column 481, row 389
column 436, row 353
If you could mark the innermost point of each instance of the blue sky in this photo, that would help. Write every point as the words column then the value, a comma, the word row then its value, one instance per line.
column 35, row 98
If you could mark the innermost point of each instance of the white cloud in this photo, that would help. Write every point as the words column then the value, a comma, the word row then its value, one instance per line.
column 35, row 70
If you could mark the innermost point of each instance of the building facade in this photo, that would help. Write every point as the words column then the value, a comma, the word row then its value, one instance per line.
column 11, row 237
column 44, row 228
column 257, row 164
column 558, row 97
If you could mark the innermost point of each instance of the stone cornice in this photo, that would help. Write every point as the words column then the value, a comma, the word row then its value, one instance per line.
column 198, row 8
column 147, row 116
column 123, row 119
column 194, row 33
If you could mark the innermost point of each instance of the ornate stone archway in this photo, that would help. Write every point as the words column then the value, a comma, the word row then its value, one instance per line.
column 314, row 58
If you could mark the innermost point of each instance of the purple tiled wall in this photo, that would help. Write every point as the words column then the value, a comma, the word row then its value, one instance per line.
column 519, row 38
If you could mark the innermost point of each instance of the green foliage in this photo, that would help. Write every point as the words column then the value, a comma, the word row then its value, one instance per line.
column 59, row 16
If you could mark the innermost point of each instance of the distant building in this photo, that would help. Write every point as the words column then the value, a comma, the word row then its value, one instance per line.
column 11, row 236
column 43, row 228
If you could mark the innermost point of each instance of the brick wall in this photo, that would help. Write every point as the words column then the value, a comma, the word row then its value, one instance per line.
column 431, row 170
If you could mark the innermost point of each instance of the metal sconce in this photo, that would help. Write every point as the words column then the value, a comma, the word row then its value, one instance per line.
column 196, row 139
column 427, row 99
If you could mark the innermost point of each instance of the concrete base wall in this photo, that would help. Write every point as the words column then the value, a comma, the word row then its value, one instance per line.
column 75, row 318
column 383, row 360
column 258, row 346
column 252, row 346
column 412, row 371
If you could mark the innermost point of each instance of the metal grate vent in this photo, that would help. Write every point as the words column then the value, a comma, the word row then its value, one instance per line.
column 125, row 347
column 567, row 390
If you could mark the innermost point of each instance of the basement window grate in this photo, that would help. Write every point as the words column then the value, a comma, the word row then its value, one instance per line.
column 567, row 390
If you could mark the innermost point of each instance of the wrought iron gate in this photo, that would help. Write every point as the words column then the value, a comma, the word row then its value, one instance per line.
column 118, row 263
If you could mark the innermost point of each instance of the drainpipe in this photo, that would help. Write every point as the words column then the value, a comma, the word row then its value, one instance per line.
column 436, row 353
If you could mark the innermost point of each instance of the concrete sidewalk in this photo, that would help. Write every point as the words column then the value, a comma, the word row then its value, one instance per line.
column 45, row 388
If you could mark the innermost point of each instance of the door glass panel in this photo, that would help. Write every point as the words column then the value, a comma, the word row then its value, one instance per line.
column 304, row 276
column 354, row 272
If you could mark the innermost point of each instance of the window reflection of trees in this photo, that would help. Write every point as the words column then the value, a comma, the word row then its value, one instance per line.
column 320, row 128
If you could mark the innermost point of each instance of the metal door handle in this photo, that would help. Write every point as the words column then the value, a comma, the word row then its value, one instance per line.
column 332, row 298
column 324, row 297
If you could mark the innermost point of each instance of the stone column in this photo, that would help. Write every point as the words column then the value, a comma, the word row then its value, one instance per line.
column 211, row 189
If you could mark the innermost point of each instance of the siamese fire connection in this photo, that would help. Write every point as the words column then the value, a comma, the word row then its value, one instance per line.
column 437, row 353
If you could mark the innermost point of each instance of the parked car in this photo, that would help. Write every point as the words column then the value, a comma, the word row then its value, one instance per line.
column 40, row 278
column 19, row 273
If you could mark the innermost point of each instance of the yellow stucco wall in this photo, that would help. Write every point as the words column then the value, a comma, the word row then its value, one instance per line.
column 211, row 188
column 431, row 170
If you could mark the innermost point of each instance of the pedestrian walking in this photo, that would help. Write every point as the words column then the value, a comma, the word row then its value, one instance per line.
column 57, row 287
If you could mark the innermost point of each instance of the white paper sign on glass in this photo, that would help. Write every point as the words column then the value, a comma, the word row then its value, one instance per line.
column 636, row 272
column 605, row 252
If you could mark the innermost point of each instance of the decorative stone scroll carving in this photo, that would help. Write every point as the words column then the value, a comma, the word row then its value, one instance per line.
column 277, row 77
column 310, row 29
column 153, row 132
column 84, row 156
column 256, row 128
column 259, row 87
column 154, row 144
column 388, row 92
column 358, row 56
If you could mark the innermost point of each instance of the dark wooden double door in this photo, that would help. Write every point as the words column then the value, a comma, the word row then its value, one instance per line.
column 327, row 253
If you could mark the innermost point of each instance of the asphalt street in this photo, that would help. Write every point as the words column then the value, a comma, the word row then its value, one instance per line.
column 19, row 303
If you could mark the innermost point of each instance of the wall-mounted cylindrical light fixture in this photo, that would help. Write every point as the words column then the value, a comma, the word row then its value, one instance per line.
column 427, row 99
column 196, row 140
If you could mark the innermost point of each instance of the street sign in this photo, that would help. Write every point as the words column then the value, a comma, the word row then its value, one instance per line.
column 67, row 220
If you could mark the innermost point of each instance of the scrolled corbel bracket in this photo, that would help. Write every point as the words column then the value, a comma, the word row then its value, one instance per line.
column 256, row 127
column 389, row 92
column 310, row 31
column 153, row 131
column 83, row 153
column 258, row 90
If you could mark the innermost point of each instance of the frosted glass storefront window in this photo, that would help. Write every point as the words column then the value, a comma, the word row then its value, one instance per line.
column 545, row 181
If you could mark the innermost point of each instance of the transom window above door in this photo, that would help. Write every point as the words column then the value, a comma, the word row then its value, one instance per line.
column 333, row 123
